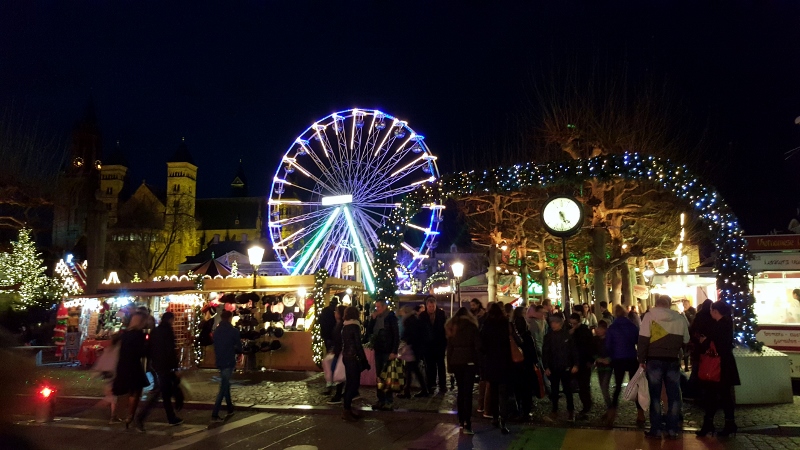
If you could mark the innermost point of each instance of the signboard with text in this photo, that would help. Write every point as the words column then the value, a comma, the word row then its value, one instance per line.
column 774, row 243
column 775, row 261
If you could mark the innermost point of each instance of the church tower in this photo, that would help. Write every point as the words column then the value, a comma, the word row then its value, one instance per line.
column 180, row 206
column 112, row 180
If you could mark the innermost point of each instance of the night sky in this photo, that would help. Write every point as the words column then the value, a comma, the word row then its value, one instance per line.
column 241, row 79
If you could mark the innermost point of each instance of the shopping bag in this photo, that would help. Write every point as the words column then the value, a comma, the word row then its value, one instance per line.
column 393, row 377
column 339, row 374
column 643, row 392
column 106, row 365
column 541, row 393
column 631, row 393
column 710, row 365
column 327, row 362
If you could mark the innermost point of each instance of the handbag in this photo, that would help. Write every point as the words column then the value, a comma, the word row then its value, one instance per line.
column 540, row 381
column 631, row 393
column 339, row 373
column 710, row 365
column 516, row 353
column 327, row 364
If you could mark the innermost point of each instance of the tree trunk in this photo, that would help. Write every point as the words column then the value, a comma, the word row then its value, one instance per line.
column 599, row 263
column 491, row 274
column 628, row 280
column 522, row 256
column 543, row 279
column 616, row 286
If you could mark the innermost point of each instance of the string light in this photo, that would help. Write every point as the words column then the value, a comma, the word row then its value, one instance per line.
column 317, row 343
column 731, row 262
column 24, row 269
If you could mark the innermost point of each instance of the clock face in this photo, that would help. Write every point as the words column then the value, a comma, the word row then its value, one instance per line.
column 562, row 215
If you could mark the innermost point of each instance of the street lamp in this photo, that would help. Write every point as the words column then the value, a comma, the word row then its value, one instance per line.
column 458, row 272
column 256, row 254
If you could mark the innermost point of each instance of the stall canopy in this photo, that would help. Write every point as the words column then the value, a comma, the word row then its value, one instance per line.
column 212, row 268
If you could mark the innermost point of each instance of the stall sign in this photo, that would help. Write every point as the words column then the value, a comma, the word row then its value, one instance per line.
column 775, row 261
column 780, row 338
column 348, row 269
column 773, row 242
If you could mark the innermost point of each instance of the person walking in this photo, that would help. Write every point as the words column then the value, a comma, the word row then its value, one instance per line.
column 336, row 349
column 719, row 394
column 560, row 360
column 690, row 313
column 602, row 364
column 661, row 337
column 524, row 372
column 354, row 360
column 582, row 337
column 164, row 361
column 621, row 340
column 433, row 320
column 130, row 378
column 478, row 311
column 413, row 336
column 497, row 363
column 383, row 326
column 463, row 348
column 327, row 322
column 227, row 343
column 605, row 314
column 588, row 318
column 700, row 326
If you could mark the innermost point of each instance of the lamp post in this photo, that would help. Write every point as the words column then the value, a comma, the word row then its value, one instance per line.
column 256, row 254
column 458, row 272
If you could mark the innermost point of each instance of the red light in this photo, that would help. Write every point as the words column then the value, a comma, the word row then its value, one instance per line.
column 46, row 392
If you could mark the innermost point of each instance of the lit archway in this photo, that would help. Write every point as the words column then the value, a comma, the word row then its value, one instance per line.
column 731, row 263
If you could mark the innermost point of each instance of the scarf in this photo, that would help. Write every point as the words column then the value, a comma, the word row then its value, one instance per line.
column 379, row 321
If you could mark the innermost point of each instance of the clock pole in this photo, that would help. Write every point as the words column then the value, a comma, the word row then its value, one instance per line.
column 565, row 287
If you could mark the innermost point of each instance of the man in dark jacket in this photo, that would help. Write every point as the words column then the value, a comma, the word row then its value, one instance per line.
column 413, row 337
column 560, row 359
column 386, row 341
column 582, row 336
column 164, row 361
column 433, row 320
column 227, row 342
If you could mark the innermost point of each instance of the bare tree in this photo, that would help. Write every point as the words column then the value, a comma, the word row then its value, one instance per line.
column 29, row 169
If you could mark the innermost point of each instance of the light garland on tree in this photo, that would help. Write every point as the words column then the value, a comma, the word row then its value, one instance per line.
column 731, row 262
column 196, row 317
column 24, row 269
column 317, row 343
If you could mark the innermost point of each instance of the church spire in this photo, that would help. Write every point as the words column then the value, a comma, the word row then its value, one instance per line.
column 239, row 183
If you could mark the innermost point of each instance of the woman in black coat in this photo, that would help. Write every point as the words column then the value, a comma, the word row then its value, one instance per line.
column 130, row 378
column 354, row 359
column 497, row 364
column 524, row 374
column 719, row 394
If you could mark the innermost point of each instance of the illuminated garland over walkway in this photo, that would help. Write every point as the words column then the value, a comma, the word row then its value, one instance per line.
column 731, row 263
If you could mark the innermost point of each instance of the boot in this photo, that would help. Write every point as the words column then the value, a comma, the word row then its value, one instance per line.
column 729, row 429
column 708, row 427
column 501, row 423
column 611, row 416
column 640, row 421
column 348, row 416
column 467, row 429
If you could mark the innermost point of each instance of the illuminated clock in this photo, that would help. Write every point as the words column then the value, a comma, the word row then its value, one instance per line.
column 562, row 216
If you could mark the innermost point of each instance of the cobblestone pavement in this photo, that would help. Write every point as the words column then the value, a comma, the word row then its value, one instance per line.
column 304, row 388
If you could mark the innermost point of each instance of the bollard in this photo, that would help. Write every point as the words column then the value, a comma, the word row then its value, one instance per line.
column 46, row 404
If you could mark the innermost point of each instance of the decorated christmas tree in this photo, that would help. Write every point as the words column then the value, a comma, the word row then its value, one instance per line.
column 22, row 271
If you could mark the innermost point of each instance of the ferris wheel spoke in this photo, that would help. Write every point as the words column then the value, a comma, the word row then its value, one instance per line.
column 292, row 162
column 369, row 225
column 318, row 162
column 300, row 218
column 386, row 194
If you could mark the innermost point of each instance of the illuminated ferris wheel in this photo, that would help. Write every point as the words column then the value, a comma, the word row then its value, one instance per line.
column 337, row 184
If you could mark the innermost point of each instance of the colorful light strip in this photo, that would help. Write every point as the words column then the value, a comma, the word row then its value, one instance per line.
column 362, row 257
column 315, row 242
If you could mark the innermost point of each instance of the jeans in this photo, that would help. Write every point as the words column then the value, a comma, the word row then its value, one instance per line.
column 562, row 378
column 224, row 391
column 499, row 397
column 352, row 371
column 584, row 378
column 381, row 361
column 604, row 379
column 434, row 364
column 164, row 384
column 620, row 367
column 465, row 380
column 667, row 373
column 412, row 368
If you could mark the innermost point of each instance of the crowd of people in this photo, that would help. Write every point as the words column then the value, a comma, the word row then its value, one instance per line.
column 518, row 355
